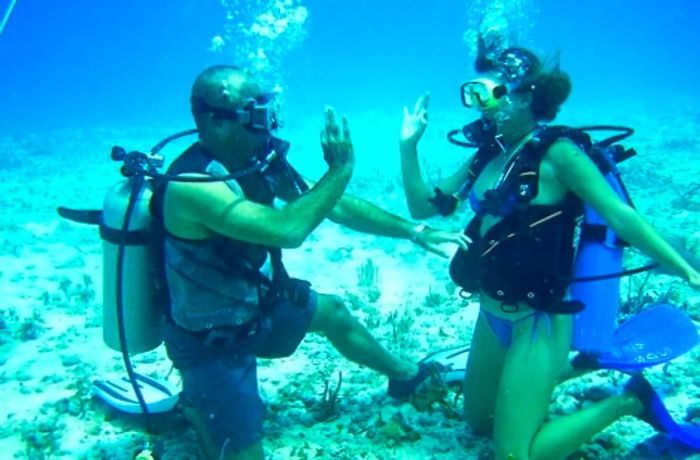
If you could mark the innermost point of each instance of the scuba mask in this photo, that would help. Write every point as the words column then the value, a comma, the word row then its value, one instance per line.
column 482, row 93
column 258, row 114
column 511, row 68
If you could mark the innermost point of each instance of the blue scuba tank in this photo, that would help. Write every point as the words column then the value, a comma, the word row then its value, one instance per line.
column 599, row 253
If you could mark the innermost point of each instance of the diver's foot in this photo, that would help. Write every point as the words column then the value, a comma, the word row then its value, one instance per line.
column 402, row 389
column 654, row 412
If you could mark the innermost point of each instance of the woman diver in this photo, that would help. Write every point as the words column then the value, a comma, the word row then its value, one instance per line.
column 526, row 194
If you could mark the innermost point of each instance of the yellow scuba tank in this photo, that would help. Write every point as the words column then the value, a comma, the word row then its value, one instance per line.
column 143, row 318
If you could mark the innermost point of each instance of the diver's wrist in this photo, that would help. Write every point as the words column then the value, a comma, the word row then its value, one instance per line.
column 409, row 146
column 417, row 230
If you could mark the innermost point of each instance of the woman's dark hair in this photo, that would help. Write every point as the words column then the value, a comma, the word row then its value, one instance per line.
column 550, row 87
column 549, row 91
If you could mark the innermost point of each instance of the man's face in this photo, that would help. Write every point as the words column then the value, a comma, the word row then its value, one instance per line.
column 235, row 94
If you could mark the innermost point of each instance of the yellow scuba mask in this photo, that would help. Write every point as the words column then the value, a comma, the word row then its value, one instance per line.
column 482, row 93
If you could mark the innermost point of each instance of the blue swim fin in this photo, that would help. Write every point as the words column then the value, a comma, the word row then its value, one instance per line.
column 654, row 336
column 656, row 414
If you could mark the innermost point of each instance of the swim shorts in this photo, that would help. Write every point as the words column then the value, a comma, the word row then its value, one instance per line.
column 219, row 369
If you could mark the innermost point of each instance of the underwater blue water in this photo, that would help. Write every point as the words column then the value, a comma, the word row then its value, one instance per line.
column 81, row 63
column 71, row 70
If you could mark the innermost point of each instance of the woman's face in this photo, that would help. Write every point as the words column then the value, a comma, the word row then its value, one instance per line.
column 512, row 109
column 493, row 98
column 496, row 99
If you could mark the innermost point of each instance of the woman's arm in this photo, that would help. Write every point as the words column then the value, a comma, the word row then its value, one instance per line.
column 418, row 191
column 579, row 174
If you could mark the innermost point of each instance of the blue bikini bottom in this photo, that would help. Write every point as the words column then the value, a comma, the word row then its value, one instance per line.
column 503, row 328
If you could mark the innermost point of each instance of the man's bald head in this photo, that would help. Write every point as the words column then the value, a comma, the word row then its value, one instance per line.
column 222, row 87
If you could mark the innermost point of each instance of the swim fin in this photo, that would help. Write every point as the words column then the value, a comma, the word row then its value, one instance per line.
column 654, row 336
column 656, row 414
column 453, row 359
column 159, row 396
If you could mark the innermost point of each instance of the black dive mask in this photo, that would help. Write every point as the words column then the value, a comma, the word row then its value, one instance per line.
column 256, row 114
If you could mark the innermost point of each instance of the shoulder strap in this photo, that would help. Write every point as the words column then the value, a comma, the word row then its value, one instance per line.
column 476, row 167
column 550, row 134
column 447, row 204
column 528, row 170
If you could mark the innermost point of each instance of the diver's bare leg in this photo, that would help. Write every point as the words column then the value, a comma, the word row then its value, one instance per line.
column 354, row 341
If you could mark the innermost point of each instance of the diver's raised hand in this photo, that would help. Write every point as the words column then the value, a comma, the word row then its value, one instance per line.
column 415, row 122
column 434, row 240
column 335, row 141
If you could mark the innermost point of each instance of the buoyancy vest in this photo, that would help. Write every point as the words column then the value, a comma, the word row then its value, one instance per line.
column 528, row 256
column 219, row 281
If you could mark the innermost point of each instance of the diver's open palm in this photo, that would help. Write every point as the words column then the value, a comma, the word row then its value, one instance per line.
column 335, row 141
column 414, row 123
column 434, row 240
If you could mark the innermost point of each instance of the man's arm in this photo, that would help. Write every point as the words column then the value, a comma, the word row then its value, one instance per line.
column 195, row 210
column 213, row 207
column 361, row 215
column 356, row 213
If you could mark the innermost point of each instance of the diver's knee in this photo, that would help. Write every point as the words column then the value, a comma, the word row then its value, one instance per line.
column 334, row 314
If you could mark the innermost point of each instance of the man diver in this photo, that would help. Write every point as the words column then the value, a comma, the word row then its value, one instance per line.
column 230, row 297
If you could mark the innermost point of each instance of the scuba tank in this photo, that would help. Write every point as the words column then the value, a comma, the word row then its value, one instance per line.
column 599, row 251
column 133, row 308
column 132, row 315
column 136, row 275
